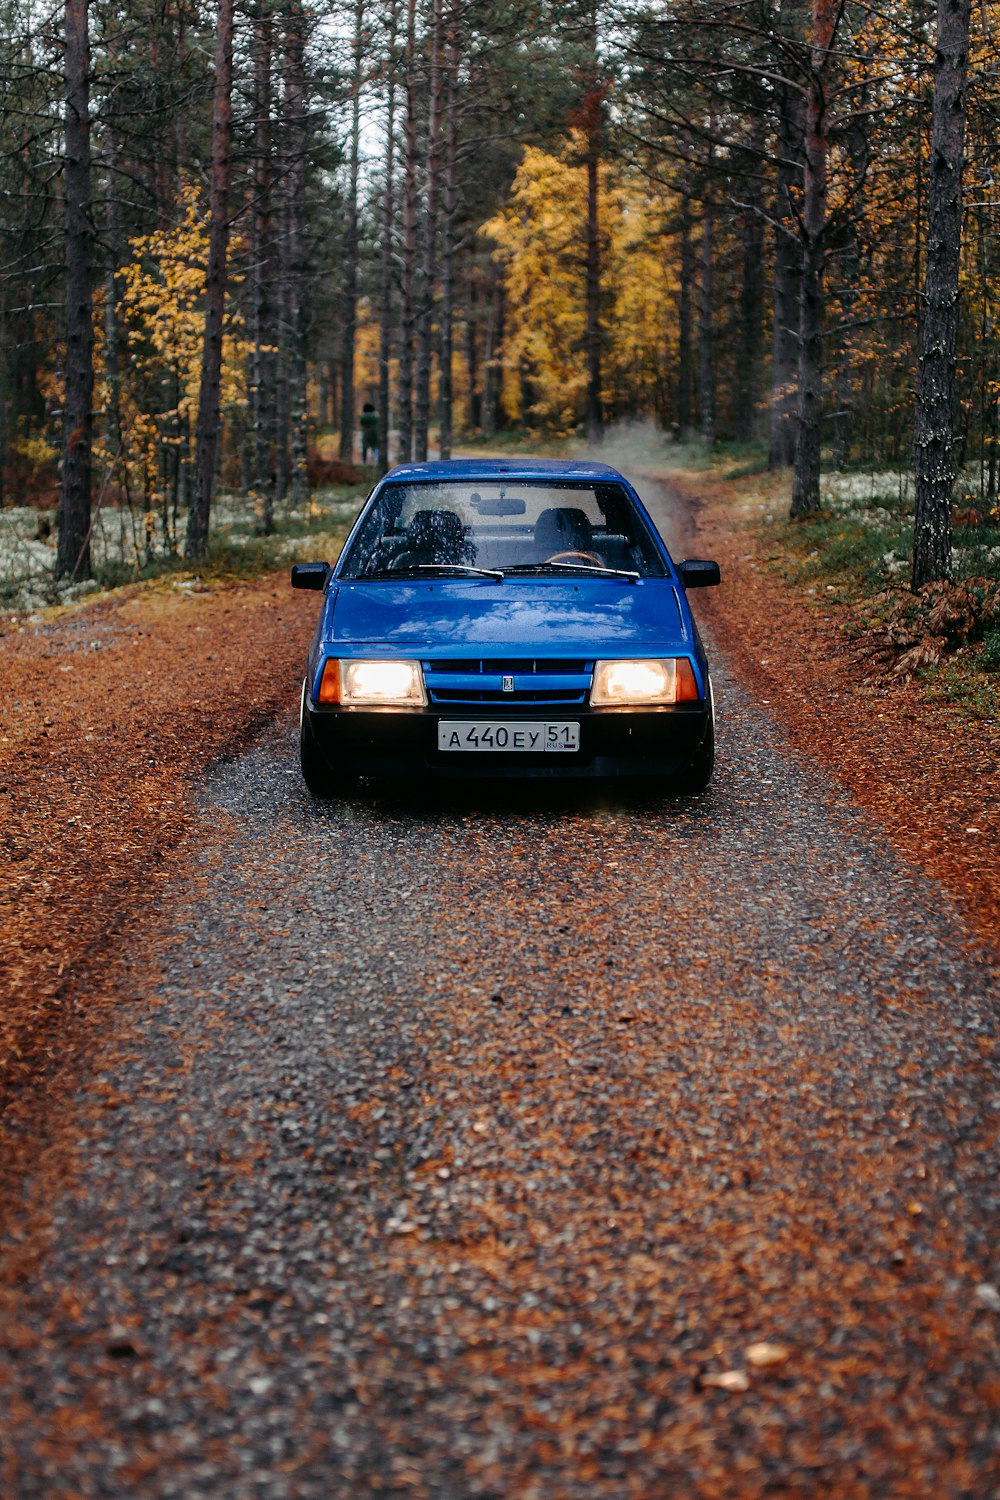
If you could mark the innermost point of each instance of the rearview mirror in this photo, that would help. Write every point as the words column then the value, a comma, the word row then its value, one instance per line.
column 310, row 575
column 697, row 573
column 498, row 505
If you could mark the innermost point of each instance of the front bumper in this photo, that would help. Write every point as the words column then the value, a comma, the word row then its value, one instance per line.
column 613, row 742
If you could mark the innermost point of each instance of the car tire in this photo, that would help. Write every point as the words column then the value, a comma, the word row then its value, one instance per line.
column 697, row 774
column 317, row 772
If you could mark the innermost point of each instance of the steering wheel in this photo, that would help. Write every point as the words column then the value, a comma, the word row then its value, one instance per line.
column 575, row 554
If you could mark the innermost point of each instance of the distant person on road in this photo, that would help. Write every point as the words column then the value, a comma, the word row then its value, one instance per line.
column 369, row 432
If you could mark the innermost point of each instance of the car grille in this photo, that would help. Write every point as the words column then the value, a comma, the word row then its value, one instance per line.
column 535, row 681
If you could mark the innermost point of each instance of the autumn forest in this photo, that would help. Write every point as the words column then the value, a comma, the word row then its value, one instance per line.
column 226, row 230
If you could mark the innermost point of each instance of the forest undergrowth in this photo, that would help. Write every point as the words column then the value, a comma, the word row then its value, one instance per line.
column 130, row 549
column 855, row 555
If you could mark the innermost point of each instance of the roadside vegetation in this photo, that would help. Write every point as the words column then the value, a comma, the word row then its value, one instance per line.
column 854, row 556
column 129, row 549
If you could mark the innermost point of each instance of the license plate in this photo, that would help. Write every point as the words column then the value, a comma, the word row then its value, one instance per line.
column 526, row 735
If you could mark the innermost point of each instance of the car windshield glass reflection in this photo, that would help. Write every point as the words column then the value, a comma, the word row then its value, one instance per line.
column 476, row 526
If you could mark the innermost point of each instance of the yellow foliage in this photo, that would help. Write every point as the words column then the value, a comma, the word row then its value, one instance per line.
column 367, row 342
column 541, row 242
column 161, row 301
column 35, row 449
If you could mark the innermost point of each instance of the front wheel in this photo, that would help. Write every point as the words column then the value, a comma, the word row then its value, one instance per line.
column 317, row 773
column 697, row 774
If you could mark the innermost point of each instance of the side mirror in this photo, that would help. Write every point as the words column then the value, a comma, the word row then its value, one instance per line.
column 310, row 575
column 698, row 574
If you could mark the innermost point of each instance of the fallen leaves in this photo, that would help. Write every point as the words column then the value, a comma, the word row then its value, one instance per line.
column 96, row 780
column 727, row 1380
column 895, row 752
column 760, row 1356
column 765, row 1355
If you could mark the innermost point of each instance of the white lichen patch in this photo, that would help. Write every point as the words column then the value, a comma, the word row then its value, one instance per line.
column 843, row 492
column 128, row 544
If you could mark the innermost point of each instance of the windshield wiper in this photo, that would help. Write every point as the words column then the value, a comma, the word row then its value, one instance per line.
column 566, row 567
column 461, row 570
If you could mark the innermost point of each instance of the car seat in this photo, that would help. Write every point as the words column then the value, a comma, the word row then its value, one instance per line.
column 563, row 529
column 434, row 536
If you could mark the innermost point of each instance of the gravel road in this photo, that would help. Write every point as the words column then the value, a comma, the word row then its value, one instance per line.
column 537, row 1145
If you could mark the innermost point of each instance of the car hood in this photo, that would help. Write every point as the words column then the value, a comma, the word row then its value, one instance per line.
column 538, row 614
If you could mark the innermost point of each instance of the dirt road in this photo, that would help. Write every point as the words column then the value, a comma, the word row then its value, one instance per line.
column 539, row 1146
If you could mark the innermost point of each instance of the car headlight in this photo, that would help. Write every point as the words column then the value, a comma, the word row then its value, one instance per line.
column 637, row 684
column 373, row 684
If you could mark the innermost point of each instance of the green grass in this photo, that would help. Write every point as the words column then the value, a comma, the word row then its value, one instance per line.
column 991, row 650
column 963, row 685
column 846, row 550
column 515, row 440
column 727, row 460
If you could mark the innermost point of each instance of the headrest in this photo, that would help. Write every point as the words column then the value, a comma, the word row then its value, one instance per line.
column 564, row 529
column 439, row 532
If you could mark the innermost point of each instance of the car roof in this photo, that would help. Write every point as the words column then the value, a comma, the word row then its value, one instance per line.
column 513, row 468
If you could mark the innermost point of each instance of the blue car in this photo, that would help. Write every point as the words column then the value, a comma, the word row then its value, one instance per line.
column 506, row 619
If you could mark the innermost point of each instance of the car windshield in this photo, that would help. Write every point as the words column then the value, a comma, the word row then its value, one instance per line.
column 464, row 526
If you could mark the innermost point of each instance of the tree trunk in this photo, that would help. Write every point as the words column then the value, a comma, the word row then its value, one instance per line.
column 445, row 394
column 73, row 554
column 684, row 323
column 747, row 375
column 493, row 361
column 918, row 223
column 934, row 434
column 787, row 290
column 595, row 409
column 113, row 438
column 850, row 279
column 406, row 307
column 265, row 333
column 843, row 420
column 296, row 147
column 349, row 295
column 428, row 269
column 526, row 394
column 474, row 403
column 805, row 484
column 706, row 352
column 385, row 269
column 207, row 434
column 282, row 406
